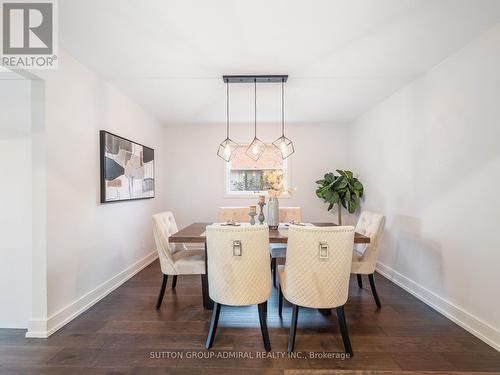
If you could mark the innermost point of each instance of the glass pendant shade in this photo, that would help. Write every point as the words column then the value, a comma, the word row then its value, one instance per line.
column 256, row 149
column 227, row 147
column 285, row 146
column 226, row 150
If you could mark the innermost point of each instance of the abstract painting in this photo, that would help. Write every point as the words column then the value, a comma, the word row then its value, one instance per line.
column 127, row 169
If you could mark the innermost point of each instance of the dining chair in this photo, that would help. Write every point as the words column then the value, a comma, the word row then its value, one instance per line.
column 238, row 214
column 286, row 214
column 364, row 256
column 238, row 272
column 316, row 273
column 175, row 259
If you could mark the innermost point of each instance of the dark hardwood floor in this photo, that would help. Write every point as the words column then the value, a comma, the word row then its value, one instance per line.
column 125, row 334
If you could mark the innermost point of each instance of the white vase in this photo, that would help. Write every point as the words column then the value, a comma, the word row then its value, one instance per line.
column 273, row 213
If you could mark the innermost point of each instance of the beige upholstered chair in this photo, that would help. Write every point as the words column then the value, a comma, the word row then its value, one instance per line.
column 364, row 257
column 316, row 273
column 238, row 271
column 238, row 214
column 287, row 214
column 175, row 259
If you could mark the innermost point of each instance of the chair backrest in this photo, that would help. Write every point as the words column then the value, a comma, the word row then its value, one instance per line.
column 371, row 224
column 318, row 265
column 239, row 214
column 163, row 227
column 239, row 268
column 288, row 214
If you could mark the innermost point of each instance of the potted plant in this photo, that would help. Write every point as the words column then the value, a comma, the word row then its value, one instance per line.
column 341, row 190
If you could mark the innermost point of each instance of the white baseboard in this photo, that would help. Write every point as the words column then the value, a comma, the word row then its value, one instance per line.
column 464, row 319
column 37, row 328
column 44, row 328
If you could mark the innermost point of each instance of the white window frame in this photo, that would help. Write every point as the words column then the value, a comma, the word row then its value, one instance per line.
column 253, row 194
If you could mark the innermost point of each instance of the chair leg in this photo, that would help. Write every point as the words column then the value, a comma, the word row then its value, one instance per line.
column 213, row 325
column 360, row 280
column 207, row 301
column 280, row 302
column 343, row 330
column 162, row 291
column 174, row 282
column 293, row 328
column 262, row 307
column 273, row 268
column 374, row 290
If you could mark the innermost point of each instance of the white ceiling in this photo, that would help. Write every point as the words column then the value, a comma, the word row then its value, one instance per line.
column 342, row 56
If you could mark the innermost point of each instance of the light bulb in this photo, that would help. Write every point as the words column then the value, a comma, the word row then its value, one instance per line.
column 255, row 149
column 227, row 150
column 283, row 147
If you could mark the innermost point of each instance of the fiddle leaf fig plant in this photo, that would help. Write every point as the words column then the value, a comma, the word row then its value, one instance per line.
column 342, row 190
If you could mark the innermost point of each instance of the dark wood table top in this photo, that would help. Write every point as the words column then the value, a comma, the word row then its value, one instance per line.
column 194, row 233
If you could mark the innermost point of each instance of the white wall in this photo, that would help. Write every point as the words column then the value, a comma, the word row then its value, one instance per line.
column 195, row 181
column 15, row 202
column 90, row 245
column 429, row 157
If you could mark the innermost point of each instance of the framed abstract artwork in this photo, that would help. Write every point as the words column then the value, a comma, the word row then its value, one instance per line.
column 127, row 169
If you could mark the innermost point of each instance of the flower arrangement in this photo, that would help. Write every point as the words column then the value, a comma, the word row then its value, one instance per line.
column 274, row 182
column 274, row 179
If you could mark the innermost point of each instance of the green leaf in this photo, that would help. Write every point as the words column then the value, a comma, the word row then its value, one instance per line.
column 330, row 206
column 324, row 189
column 342, row 193
column 340, row 183
column 341, row 172
column 320, row 182
column 328, row 195
column 357, row 185
column 344, row 203
column 334, row 198
column 351, row 206
column 348, row 195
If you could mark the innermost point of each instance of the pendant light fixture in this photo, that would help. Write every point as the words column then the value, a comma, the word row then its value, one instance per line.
column 228, row 147
column 257, row 147
column 284, row 145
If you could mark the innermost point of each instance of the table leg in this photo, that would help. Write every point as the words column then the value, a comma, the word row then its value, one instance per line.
column 208, row 304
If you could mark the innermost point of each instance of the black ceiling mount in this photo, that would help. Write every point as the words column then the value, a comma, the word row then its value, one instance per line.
column 255, row 78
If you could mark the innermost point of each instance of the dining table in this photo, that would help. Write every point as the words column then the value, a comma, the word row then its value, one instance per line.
column 195, row 234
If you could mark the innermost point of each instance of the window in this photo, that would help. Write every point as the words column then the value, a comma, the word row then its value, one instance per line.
column 246, row 177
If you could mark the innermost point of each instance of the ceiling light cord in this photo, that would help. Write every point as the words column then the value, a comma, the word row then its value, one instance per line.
column 282, row 107
column 227, row 109
column 255, row 106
